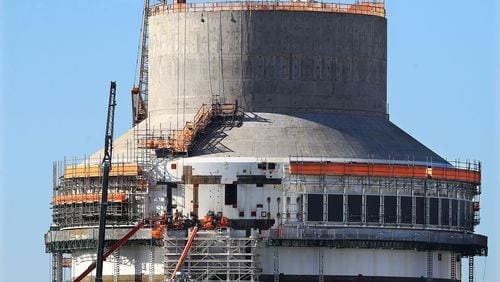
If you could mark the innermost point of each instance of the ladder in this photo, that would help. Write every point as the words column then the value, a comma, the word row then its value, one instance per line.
column 453, row 266
column 471, row 268
column 430, row 263
column 321, row 277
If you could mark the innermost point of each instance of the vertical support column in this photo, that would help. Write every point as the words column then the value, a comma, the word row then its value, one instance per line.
column 54, row 267
column 116, row 265
column 398, row 207
column 427, row 205
column 57, row 270
column 165, row 254
column 430, row 264
column 137, row 271
column 228, row 261
column 344, row 196
column 151, row 263
column 276, row 265
column 321, row 277
column 382, row 206
column 471, row 268
column 363, row 205
column 195, row 199
column 413, row 204
column 325, row 194
column 253, row 265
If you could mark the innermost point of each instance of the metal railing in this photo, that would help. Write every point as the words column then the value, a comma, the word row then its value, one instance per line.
column 375, row 234
column 362, row 8
column 468, row 171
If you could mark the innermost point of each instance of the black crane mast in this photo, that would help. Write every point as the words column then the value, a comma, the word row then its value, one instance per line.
column 106, row 167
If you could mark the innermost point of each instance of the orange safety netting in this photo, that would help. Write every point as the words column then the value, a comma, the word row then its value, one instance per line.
column 83, row 170
column 387, row 170
column 363, row 8
column 87, row 198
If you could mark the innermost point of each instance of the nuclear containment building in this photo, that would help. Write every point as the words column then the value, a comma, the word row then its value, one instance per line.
column 262, row 150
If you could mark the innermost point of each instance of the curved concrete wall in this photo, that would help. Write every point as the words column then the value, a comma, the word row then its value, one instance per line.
column 351, row 263
column 270, row 61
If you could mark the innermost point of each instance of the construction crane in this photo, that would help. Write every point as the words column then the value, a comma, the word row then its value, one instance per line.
column 106, row 166
column 139, row 93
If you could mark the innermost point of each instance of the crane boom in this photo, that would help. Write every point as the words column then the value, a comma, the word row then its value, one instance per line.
column 106, row 166
column 140, row 93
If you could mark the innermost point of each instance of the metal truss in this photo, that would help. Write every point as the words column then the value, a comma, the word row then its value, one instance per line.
column 216, row 255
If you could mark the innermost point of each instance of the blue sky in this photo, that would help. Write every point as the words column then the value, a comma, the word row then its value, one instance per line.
column 57, row 58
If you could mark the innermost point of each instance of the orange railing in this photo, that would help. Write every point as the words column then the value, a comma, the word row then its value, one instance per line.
column 363, row 8
column 87, row 198
column 180, row 140
column 385, row 170
column 84, row 170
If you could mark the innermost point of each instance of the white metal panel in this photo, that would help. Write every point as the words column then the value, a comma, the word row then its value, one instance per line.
column 352, row 262
column 133, row 261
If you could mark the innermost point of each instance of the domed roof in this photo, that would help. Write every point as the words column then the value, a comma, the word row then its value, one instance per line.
column 313, row 135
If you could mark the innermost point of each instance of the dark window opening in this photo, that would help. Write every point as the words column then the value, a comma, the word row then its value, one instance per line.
column 462, row 213
column 445, row 212
column 390, row 209
column 420, row 210
column 372, row 208
column 336, row 208
column 454, row 213
column 433, row 211
column 468, row 214
column 354, row 207
column 231, row 194
column 315, row 207
column 406, row 210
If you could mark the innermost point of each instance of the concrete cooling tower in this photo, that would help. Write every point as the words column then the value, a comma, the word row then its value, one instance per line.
column 267, row 149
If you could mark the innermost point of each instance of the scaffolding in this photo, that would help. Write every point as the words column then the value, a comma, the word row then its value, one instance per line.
column 180, row 141
column 215, row 255
column 453, row 190
column 373, row 8
column 77, row 189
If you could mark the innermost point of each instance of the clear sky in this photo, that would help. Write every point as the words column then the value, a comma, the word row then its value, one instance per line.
column 57, row 58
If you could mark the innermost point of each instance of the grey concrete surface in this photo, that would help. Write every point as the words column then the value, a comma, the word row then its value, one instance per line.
column 270, row 61
column 314, row 135
column 310, row 84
